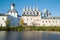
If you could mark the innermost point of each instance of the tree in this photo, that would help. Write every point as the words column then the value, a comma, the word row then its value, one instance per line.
column 7, row 25
column 21, row 22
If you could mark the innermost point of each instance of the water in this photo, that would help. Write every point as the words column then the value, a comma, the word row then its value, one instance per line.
column 29, row 35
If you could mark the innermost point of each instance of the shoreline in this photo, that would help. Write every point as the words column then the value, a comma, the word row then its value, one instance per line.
column 30, row 28
column 50, row 32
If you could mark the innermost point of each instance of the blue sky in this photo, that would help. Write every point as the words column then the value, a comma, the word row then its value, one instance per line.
column 51, row 5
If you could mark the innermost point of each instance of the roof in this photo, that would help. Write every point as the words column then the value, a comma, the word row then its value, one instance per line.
column 2, row 14
column 13, row 4
column 14, row 11
column 51, row 17
column 19, row 16
column 29, row 15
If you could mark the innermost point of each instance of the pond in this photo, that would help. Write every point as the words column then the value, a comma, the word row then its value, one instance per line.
column 29, row 35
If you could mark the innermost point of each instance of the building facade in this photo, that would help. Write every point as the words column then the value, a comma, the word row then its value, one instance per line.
column 3, row 19
column 33, row 17
column 12, row 16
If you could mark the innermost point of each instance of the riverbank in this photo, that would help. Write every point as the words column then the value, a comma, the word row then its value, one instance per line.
column 30, row 28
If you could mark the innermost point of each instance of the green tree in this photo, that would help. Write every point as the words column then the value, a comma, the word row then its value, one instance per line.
column 21, row 22
column 8, row 25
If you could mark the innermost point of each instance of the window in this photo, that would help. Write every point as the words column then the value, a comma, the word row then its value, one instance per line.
column 30, row 13
column 13, row 23
column 56, row 21
column 46, row 21
column 31, row 18
column 43, row 21
column 53, row 21
column 13, row 12
column 0, row 24
column 27, row 18
column 37, row 13
column 34, row 13
column 49, row 21
column 2, row 18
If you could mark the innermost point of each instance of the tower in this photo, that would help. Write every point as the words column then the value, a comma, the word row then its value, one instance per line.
column 12, row 6
column 12, row 11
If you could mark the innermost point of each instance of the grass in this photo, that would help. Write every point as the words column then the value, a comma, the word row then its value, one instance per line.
column 31, row 28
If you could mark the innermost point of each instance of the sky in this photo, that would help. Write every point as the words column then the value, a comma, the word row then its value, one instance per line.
column 51, row 5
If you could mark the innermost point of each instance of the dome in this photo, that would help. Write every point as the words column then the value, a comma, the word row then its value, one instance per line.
column 13, row 4
column 45, row 11
column 49, row 12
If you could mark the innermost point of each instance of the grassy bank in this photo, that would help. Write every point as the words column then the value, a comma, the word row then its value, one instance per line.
column 30, row 28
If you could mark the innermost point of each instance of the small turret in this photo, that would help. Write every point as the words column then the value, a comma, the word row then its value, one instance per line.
column 12, row 6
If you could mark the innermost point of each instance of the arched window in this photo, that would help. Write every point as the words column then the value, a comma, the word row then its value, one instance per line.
column 34, row 13
column 27, row 13
column 27, row 18
column 37, row 13
column 30, row 13
column 2, row 18
column 43, row 21
column 56, row 21
column 49, row 21
column 46, row 21
column 53, row 21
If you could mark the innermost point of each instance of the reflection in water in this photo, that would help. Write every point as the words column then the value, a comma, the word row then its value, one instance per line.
column 2, row 35
column 29, row 35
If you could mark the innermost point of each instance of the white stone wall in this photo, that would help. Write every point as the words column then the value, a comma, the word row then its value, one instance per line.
column 50, row 22
column 14, row 21
column 3, row 20
column 30, row 19
column 37, row 21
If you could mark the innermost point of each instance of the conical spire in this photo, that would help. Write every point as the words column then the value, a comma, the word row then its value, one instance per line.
column 24, row 8
column 33, row 9
column 30, row 8
column 36, row 8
